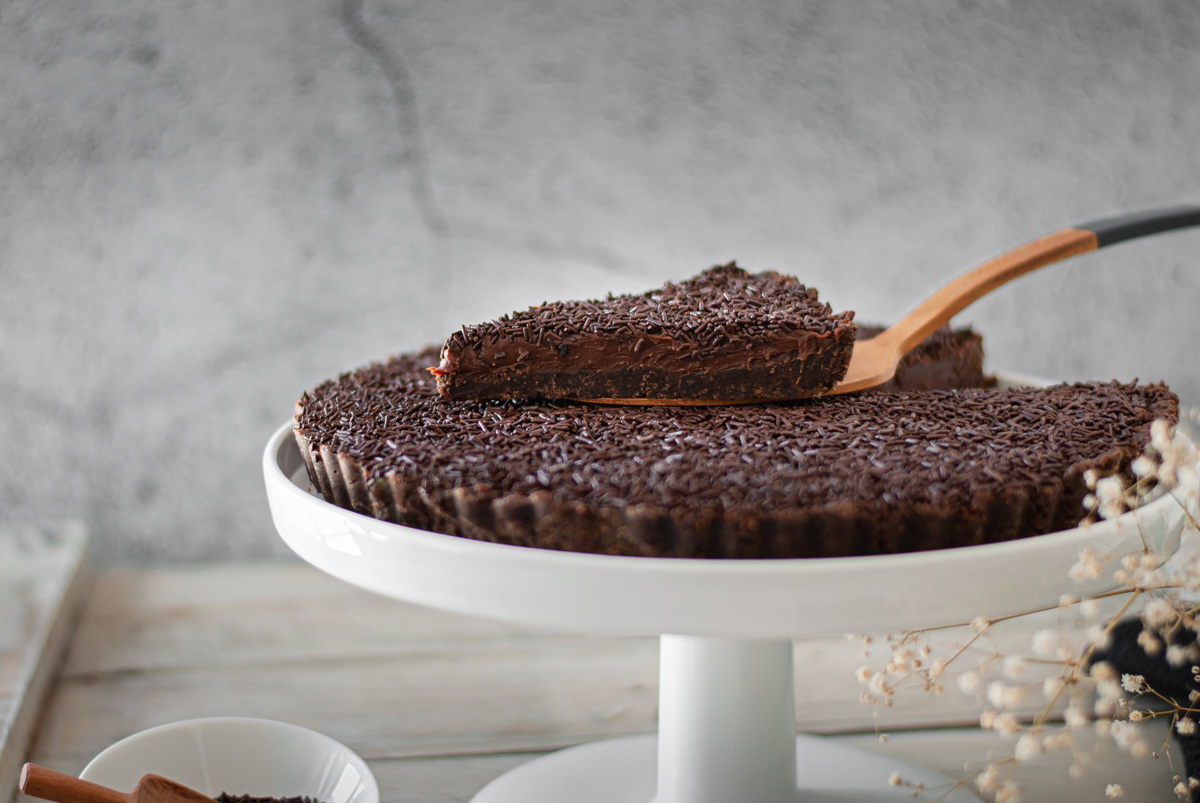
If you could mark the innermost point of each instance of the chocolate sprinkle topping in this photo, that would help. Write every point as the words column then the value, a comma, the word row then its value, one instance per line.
column 707, row 310
column 881, row 472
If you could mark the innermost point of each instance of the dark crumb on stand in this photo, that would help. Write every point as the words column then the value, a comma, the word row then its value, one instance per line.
column 225, row 797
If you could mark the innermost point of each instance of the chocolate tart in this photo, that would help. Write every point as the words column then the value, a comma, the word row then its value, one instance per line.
column 846, row 475
column 755, row 336
column 947, row 359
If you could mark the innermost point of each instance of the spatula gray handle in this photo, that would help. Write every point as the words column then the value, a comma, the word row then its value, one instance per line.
column 1111, row 230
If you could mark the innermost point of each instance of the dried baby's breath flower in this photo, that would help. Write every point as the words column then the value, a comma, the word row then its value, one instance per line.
column 1088, row 567
column 1108, row 691
column 1075, row 717
column 1157, row 613
column 901, row 657
column 1052, row 687
column 989, row 779
column 1008, row 792
column 1047, row 643
column 1129, row 736
column 1029, row 746
column 1099, row 637
column 1186, row 726
column 1007, row 723
column 1161, row 437
column 938, row 667
column 1001, row 695
column 969, row 682
column 1151, row 578
column 1110, row 497
column 1134, row 684
column 1150, row 643
column 1015, row 667
column 1113, row 791
column 1059, row 740
column 1143, row 466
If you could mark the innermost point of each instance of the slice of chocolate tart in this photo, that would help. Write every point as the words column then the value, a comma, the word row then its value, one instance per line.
column 722, row 335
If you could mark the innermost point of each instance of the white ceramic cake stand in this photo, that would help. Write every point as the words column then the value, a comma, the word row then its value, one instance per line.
column 727, row 728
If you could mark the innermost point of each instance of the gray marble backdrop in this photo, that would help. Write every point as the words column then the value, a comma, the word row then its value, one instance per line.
column 208, row 206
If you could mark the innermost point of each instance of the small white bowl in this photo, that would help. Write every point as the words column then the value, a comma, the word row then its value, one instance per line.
column 240, row 756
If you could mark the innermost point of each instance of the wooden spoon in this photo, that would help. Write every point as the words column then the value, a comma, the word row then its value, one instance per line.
column 48, row 784
column 873, row 362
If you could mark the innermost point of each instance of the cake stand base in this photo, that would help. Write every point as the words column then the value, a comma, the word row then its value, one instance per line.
column 625, row 771
column 726, row 734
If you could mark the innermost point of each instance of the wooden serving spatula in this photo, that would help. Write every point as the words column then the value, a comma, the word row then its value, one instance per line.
column 874, row 361
column 48, row 784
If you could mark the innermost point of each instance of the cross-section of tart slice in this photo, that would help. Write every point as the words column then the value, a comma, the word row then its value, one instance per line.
column 723, row 335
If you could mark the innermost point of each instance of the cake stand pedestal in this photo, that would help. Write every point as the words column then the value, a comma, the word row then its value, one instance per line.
column 727, row 732
column 727, row 729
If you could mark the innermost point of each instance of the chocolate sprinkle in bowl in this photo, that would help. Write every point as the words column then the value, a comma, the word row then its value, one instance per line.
column 240, row 759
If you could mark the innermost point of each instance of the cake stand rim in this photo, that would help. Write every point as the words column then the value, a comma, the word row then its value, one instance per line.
column 579, row 592
column 280, row 440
